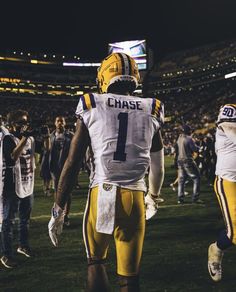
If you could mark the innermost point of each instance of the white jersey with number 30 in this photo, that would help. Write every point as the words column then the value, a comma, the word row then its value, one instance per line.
column 121, row 129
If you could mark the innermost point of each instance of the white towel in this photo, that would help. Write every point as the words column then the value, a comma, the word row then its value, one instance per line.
column 106, row 206
column 25, row 179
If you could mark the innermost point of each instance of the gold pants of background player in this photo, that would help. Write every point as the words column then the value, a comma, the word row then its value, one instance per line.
column 226, row 195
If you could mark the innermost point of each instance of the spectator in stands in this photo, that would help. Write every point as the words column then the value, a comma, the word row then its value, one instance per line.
column 3, row 132
column 45, row 171
column 60, row 140
column 187, row 168
column 18, row 184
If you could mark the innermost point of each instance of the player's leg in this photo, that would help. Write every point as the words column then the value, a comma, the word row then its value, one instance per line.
column 225, row 192
column 129, row 284
column 97, row 279
column 193, row 172
column 96, row 245
column 181, row 181
column 129, row 236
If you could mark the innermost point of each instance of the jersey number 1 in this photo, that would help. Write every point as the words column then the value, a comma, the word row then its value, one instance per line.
column 122, row 136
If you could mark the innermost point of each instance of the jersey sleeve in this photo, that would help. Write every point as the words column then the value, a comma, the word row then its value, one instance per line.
column 227, row 114
column 158, row 110
column 86, row 103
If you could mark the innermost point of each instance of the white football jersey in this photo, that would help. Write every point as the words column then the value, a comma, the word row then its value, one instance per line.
column 225, row 148
column 121, row 129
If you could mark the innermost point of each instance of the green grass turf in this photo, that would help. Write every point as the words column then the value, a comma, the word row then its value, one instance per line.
column 174, row 254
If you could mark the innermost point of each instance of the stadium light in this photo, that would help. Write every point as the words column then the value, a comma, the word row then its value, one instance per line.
column 82, row 64
column 230, row 75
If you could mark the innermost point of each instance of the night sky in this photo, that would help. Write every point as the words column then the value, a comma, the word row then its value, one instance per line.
column 85, row 27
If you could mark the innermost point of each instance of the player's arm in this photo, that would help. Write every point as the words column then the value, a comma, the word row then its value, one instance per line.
column 156, row 176
column 229, row 129
column 68, row 179
column 156, row 173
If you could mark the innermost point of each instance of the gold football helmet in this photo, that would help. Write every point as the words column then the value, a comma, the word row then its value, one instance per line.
column 117, row 67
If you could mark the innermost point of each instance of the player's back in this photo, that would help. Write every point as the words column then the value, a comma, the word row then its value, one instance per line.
column 121, row 129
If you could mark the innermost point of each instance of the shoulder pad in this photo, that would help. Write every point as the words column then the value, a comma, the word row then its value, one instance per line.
column 227, row 113
column 86, row 102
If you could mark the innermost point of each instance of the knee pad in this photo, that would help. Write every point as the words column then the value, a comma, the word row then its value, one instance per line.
column 129, row 281
column 92, row 262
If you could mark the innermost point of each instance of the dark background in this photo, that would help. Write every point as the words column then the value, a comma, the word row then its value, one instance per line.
column 85, row 27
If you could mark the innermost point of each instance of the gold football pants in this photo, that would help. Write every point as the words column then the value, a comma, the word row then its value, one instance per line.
column 128, row 231
column 226, row 194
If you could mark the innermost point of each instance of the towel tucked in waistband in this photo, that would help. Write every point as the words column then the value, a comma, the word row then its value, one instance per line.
column 106, row 205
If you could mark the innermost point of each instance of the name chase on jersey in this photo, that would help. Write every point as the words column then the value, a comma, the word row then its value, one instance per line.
column 124, row 104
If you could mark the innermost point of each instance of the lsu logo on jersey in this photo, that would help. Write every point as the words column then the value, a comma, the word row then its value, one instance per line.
column 227, row 114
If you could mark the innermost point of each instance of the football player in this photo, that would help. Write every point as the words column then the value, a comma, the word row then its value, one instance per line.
column 123, row 132
column 225, row 186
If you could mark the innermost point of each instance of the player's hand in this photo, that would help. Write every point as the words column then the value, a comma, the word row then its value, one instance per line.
column 55, row 225
column 151, row 204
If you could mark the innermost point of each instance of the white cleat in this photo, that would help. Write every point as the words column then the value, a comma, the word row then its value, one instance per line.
column 151, row 206
column 215, row 256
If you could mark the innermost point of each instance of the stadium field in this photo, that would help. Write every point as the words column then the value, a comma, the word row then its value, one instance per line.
column 174, row 255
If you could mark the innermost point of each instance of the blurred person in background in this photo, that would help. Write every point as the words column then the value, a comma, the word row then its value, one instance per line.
column 18, row 164
column 174, row 184
column 225, row 186
column 209, row 158
column 60, row 140
column 45, row 173
column 3, row 132
column 124, row 134
column 187, row 167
